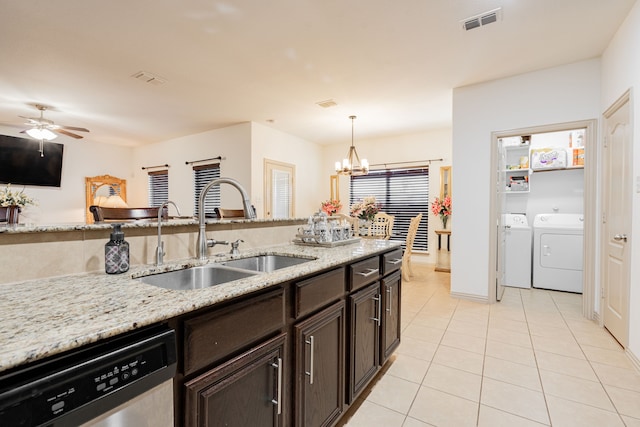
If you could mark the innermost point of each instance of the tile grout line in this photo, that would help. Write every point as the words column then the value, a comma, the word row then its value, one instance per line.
column 590, row 365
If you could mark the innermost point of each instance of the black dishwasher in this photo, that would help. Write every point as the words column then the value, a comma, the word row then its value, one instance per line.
column 84, row 384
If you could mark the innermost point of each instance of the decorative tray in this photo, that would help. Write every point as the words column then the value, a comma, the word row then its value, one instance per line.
column 298, row 241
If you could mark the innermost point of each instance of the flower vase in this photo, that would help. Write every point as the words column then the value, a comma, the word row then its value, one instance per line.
column 444, row 219
column 11, row 214
column 364, row 225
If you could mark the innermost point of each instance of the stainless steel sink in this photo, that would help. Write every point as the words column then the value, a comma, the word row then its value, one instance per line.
column 203, row 276
column 266, row 263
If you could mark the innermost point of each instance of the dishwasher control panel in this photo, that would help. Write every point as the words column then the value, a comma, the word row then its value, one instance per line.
column 67, row 388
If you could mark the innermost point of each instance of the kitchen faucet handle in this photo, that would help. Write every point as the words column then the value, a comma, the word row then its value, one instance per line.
column 235, row 245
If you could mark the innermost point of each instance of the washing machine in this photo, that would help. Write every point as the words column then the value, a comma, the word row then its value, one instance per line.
column 517, row 262
column 557, row 251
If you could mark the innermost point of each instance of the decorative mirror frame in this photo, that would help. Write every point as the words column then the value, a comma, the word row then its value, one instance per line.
column 334, row 183
column 93, row 183
column 445, row 181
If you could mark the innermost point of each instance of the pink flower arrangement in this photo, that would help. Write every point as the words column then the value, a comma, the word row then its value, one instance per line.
column 441, row 207
column 365, row 209
column 331, row 207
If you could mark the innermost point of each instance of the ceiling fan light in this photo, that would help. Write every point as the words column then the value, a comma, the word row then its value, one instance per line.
column 39, row 133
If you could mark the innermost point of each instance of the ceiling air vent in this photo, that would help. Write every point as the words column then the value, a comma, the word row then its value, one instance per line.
column 482, row 19
column 326, row 104
column 150, row 78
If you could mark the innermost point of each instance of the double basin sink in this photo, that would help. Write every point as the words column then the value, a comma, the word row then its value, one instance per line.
column 208, row 275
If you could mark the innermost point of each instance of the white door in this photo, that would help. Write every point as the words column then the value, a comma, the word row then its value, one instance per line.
column 617, row 219
column 279, row 189
column 500, row 224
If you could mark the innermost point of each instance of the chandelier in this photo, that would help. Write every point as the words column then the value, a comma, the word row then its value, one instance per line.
column 352, row 165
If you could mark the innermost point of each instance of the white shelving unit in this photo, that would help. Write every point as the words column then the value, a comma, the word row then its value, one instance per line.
column 517, row 170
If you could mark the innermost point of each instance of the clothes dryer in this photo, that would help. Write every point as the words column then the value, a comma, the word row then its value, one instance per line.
column 557, row 252
column 517, row 264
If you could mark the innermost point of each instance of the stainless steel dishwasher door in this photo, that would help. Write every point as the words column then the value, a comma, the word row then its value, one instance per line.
column 153, row 408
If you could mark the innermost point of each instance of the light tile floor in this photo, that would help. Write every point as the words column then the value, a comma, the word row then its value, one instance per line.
column 530, row 360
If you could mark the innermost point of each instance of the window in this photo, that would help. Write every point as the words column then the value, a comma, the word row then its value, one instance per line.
column 158, row 187
column 403, row 193
column 202, row 175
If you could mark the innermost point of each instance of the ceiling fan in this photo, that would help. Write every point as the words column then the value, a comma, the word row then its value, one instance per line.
column 45, row 129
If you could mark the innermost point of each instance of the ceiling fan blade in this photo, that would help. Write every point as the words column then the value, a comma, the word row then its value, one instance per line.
column 75, row 128
column 64, row 132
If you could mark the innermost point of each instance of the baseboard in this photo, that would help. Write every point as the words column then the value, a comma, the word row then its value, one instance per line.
column 634, row 360
column 470, row 297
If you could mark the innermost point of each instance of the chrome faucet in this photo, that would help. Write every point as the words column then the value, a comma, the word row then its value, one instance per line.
column 204, row 243
column 160, row 248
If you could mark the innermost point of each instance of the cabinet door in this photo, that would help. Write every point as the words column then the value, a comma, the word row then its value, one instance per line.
column 320, row 356
column 245, row 392
column 364, row 338
column 391, row 286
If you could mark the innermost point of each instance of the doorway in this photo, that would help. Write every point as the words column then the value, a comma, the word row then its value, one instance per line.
column 514, row 176
column 279, row 188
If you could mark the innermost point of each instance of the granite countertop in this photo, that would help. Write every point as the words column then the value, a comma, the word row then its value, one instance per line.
column 44, row 317
column 145, row 223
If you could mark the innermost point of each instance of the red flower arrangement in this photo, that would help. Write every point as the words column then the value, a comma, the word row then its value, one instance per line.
column 442, row 208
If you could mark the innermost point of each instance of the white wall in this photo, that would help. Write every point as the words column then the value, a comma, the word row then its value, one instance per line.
column 81, row 158
column 272, row 144
column 621, row 71
column 232, row 143
column 421, row 146
column 561, row 94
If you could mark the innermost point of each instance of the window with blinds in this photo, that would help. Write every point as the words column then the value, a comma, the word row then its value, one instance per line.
column 403, row 193
column 158, row 187
column 202, row 175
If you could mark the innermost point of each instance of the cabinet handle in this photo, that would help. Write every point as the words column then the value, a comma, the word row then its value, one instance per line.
column 377, row 299
column 395, row 261
column 310, row 373
column 389, row 298
column 278, row 400
column 370, row 272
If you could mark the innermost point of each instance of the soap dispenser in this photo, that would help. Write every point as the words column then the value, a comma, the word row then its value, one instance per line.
column 116, row 252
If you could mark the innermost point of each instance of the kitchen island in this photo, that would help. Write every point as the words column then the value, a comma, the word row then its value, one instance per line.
column 351, row 291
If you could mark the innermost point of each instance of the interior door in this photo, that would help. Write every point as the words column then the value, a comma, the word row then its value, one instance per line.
column 278, row 189
column 617, row 219
column 500, row 225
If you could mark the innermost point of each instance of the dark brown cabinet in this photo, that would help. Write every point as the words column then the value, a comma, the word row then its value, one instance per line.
column 364, row 338
column 294, row 354
column 319, row 376
column 390, row 319
column 246, row 391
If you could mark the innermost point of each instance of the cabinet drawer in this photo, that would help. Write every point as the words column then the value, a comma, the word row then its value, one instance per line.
column 318, row 291
column 213, row 336
column 391, row 261
column 364, row 272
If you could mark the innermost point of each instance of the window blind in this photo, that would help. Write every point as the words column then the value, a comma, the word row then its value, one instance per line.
column 158, row 187
column 403, row 193
column 202, row 175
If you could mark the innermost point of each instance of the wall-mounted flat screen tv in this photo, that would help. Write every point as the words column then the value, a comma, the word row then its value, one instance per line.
column 21, row 163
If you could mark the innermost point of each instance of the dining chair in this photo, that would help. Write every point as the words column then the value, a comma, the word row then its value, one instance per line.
column 406, row 257
column 381, row 226
column 229, row 213
column 101, row 213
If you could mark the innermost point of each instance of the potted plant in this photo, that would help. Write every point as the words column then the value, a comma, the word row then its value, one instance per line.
column 12, row 202
column 365, row 210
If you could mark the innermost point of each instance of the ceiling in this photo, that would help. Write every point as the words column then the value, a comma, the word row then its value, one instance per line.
column 391, row 63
